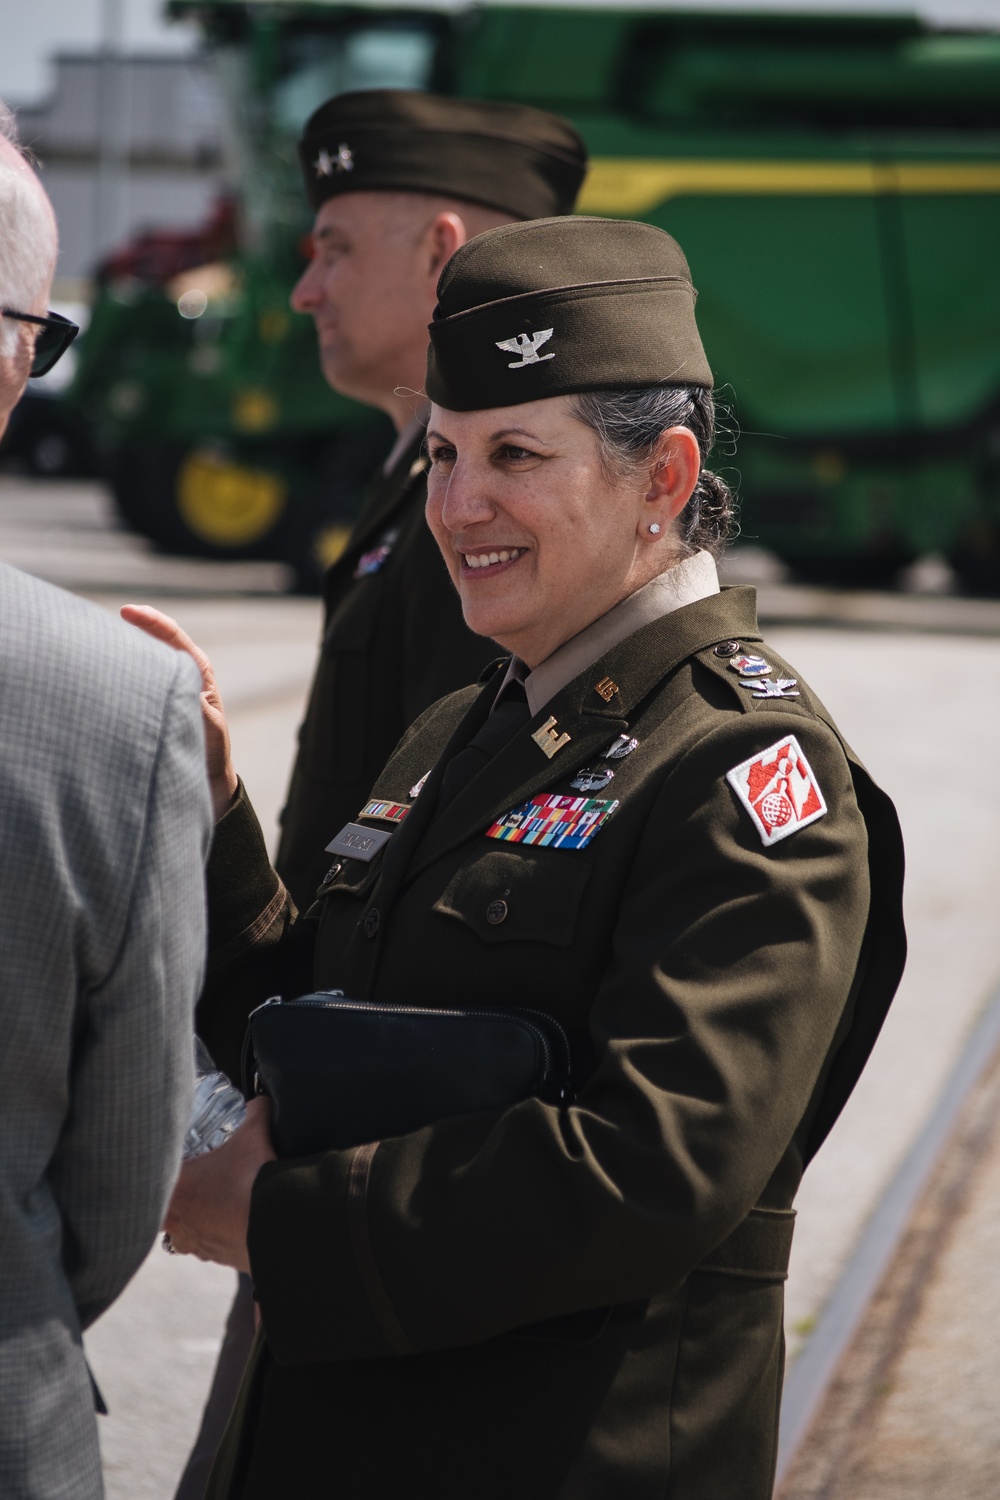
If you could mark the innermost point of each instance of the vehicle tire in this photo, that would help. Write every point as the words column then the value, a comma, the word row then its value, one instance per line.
column 977, row 562
column 292, row 503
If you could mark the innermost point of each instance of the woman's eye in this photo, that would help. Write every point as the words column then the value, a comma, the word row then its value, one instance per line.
column 441, row 453
column 509, row 454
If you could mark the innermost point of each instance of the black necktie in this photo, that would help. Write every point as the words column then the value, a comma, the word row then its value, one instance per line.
column 509, row 715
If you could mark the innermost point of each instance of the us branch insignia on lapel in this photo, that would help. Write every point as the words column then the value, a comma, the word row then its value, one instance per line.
column 779, row 790
column 562, row 822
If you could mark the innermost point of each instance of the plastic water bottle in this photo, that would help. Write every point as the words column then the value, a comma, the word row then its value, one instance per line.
column 218, row 1106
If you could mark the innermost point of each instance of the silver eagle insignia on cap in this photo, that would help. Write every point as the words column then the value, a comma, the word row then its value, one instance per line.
column 527, row 345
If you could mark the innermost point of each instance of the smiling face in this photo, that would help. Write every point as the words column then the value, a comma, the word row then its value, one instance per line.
column 538, row 538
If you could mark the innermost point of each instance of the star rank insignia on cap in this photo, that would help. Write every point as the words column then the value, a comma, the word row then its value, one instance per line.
column 331, row 166
column 779, row 790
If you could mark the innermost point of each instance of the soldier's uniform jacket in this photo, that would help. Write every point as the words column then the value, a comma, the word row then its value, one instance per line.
column 581, row 1302
column 394, row 641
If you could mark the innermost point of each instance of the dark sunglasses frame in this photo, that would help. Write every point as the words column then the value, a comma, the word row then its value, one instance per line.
column 56, row 336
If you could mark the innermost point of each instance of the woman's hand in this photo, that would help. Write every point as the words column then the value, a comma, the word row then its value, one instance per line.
column 209, row 1212
column 222, row 777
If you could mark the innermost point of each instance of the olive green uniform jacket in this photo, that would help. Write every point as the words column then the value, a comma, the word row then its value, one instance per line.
column 582, row 1302
column 394, row 641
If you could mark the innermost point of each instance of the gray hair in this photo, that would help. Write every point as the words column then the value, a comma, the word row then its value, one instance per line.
column 27, row 232
column 628, row 424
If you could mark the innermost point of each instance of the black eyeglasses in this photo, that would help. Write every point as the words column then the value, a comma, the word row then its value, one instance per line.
column 51, row 344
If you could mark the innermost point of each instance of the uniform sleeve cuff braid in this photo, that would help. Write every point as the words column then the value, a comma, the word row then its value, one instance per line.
column 242, row 885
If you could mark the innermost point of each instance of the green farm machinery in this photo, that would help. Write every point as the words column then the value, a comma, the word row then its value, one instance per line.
column 835, row 183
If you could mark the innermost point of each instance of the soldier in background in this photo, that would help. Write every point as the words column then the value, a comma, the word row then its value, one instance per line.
column 399, row 180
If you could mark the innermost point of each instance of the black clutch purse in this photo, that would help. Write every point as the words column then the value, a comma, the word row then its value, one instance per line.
column 341, row 1073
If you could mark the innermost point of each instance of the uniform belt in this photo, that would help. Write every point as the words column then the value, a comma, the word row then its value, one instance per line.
column 759, row 1247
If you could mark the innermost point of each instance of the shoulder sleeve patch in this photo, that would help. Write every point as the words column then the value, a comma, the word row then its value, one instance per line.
column 779, row 790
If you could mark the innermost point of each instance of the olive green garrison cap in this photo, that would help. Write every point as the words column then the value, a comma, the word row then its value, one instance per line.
column 522, row 161
column 560, row 305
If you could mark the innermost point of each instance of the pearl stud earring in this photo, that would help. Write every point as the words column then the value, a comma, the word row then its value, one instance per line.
column 654, row 527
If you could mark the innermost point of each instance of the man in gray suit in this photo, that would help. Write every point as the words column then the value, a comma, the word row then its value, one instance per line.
column 104, row 826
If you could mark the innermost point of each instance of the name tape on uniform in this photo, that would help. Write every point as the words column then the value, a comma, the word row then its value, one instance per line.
column 779, row 790
column 357, row 842
column 558, row 822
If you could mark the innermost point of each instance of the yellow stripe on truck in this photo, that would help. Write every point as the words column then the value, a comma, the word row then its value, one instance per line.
column 630, row 185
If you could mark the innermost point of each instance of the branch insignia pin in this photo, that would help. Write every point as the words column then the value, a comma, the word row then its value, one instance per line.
column 548, row 739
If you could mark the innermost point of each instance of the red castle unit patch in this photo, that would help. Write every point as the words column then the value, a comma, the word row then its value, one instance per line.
column 779, row 790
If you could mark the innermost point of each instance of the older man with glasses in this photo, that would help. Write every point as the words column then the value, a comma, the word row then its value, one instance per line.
column 104, row 825
column 54, row 336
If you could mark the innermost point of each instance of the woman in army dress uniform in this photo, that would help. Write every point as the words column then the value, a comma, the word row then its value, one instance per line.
column 580, row 1301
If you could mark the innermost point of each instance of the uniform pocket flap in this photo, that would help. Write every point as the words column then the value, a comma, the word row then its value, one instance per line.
column 506, row 897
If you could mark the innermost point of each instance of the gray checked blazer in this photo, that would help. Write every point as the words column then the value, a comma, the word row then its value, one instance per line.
column 104, row 827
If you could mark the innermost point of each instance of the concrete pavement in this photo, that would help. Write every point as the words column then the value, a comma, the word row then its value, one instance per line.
column 911, row 1412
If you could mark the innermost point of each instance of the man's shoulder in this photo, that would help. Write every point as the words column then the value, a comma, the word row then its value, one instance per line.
column 754, row 677
column 56, row 647
column 48, row 621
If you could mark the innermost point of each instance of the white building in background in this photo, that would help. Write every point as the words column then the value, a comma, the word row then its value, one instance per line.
column 126, row 143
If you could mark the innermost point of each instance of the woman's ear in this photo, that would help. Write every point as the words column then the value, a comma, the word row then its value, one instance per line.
column 674, row 467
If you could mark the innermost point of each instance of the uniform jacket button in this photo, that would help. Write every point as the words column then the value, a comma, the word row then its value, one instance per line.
column 496, row 912
column 727, row 648
column 372, row 919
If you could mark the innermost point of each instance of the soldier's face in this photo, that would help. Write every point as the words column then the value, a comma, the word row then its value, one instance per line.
column 369, row 292
column 537, row 536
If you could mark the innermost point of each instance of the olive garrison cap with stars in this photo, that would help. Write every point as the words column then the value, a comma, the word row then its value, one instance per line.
column 561, row 305
column 522, row 161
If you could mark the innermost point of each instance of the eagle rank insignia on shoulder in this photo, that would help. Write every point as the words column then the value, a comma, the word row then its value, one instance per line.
column 779, row 790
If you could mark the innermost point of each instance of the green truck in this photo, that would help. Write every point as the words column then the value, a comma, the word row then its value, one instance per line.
column 835, row 182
